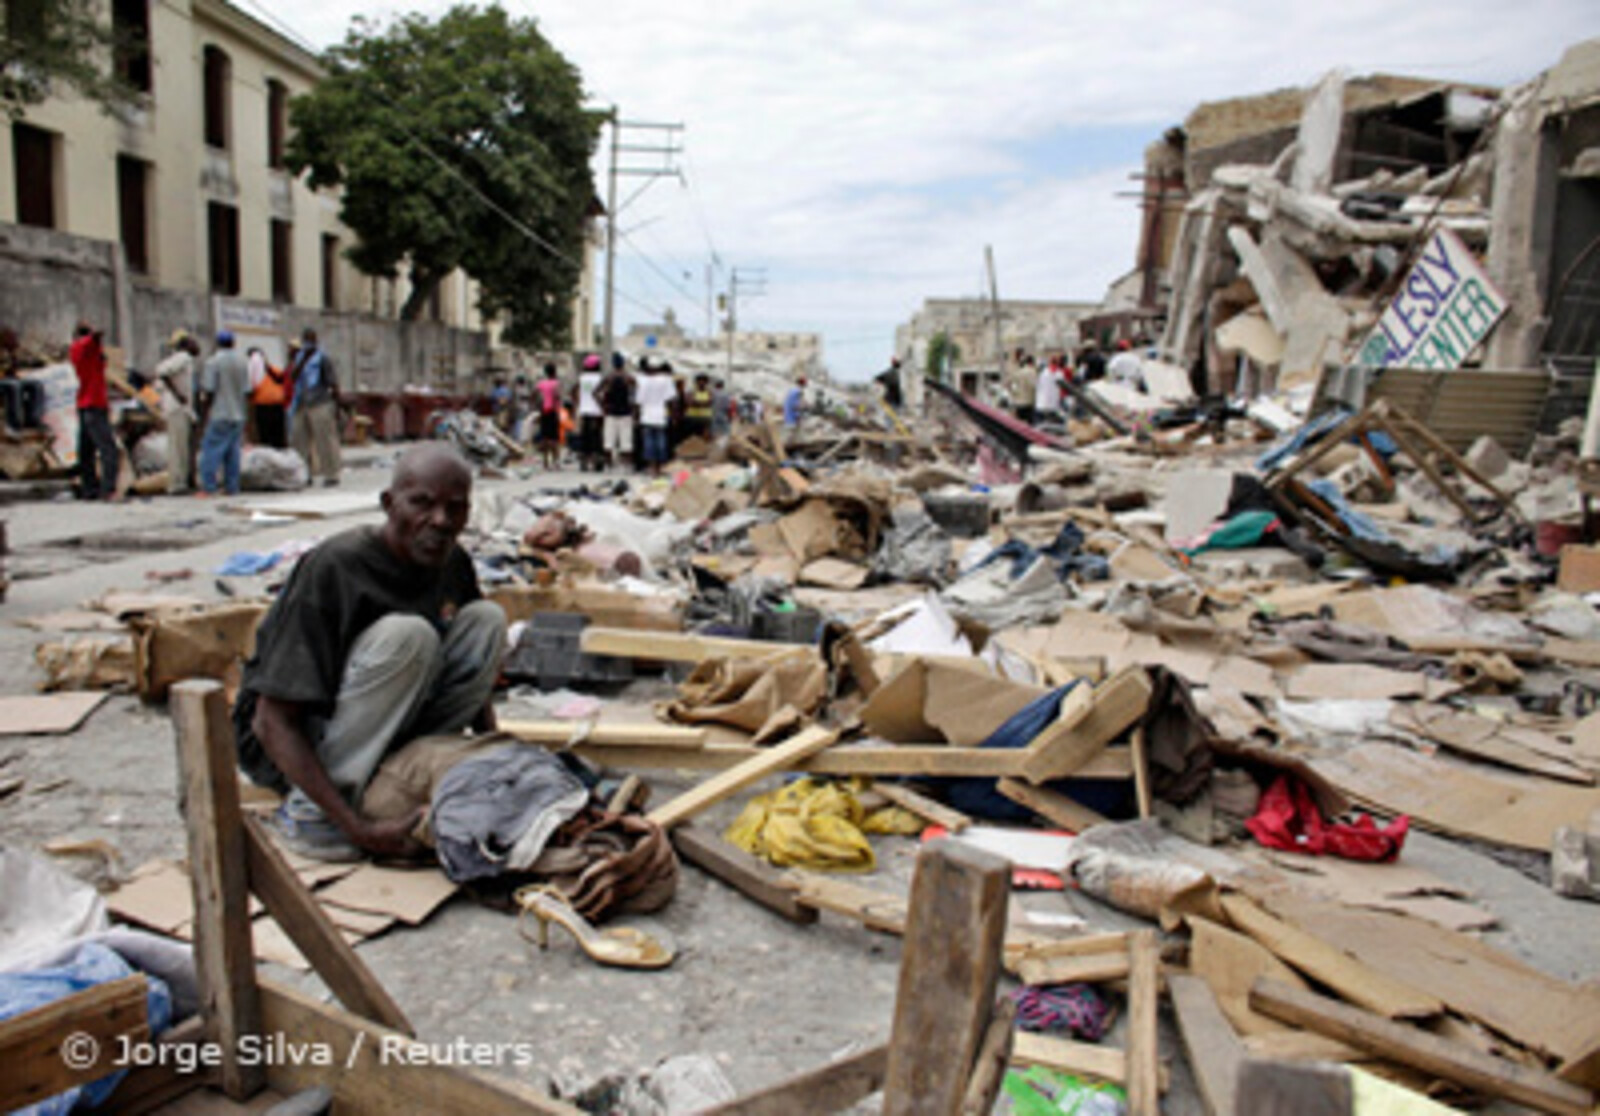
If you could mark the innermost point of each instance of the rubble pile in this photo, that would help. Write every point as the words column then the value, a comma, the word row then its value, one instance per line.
column 1202, row 668
column 1213, row 683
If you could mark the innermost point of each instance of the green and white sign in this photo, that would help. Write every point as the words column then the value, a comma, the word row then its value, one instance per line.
column 1445, row 308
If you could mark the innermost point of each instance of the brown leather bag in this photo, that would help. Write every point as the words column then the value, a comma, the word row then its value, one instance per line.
column 608, row 864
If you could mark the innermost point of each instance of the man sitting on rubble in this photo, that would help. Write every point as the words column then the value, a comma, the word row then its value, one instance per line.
column 380, row 636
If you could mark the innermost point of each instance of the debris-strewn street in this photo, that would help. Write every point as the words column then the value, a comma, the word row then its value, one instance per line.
column 1186, row 703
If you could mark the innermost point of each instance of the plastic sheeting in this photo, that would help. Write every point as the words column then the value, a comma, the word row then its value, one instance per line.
column 40, row 905
column 90, row 965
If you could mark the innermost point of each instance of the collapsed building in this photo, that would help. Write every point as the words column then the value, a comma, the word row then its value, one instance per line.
column 1303, row 211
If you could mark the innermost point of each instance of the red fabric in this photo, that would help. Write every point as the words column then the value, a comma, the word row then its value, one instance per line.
column 89, row 362
column 1288, row 819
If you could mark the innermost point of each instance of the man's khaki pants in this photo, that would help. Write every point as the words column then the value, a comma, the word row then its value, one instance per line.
column 316, row 438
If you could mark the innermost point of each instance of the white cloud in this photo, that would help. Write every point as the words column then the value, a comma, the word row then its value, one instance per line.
column 865, row 154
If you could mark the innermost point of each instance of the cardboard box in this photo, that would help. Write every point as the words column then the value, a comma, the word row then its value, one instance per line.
column 1580, row 569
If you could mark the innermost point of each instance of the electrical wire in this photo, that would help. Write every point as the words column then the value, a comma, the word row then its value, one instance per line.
column 421, row 145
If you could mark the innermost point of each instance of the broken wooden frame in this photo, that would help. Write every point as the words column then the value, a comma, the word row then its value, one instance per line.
column 1418, row 443
column 947, row 1048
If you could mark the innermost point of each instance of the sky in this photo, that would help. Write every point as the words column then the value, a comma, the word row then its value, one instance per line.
column 852, row 159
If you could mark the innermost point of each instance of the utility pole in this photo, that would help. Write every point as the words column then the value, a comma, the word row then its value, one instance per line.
column 994, row 301
column 711, row 305
column 754, row 281
column 665, row 148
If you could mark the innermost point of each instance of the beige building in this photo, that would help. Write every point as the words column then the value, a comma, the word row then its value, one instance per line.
column 212, row 228
column 192, row 183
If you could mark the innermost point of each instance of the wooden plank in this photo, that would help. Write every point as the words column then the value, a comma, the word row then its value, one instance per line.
column 1088, row 968
column 948, row 972
column 876, row 910
column 923, row 806
column 560, row 734
column 994, row 1055
column 1090, row 944
column 151, row 1088
column 1051, row 805
column 1144, row 1050
column 623, row 797
column 1429, row 468
column 302, row 918
column 371, row 1072
column 1086, row 1059
column 1317, row 959
column 1141, row 772
column 1064, row 747
column 1458, row 462
column 931, row 760
column 1215, row 1052
column 218, row 870
column 829, row 1088
column 1412, row 1046
column 1273, row 1088
column 727, row 783
column 748, row 874
column 72, row 1041
column 677, row 647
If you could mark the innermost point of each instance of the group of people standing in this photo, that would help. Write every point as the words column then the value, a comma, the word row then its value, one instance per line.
column 1042, row 394
column 293, row 406
column 622, row 418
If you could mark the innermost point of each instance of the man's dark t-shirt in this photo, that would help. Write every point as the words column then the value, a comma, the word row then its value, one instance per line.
column 1094, row 366
column 337, row 591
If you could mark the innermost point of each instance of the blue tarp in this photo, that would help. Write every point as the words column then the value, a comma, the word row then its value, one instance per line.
column 92, row 964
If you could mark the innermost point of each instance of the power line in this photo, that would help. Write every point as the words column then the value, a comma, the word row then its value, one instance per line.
column 415, row 138
column 688, row 182
column 653, row 266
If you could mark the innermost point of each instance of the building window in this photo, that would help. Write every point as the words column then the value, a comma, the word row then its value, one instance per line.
column 133, row 211
column 330, row 271
column 282, row 261
column 222, row 235
column 218, row 81
column 34, row 161
column 130, row 28
column 277, row 122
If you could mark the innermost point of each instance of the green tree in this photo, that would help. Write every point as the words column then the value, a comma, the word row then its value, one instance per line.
column 942, row 353
column 460, row 143
column 49, row 43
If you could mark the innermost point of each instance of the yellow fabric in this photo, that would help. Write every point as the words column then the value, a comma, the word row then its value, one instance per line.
column 815, row 824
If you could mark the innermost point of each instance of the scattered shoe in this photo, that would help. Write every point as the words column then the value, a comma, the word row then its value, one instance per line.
column 314, row 837
column 623, row 947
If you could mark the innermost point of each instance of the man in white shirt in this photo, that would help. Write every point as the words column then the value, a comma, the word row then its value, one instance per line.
column 656, row 392
column 591, row 418
column 1047, row 395
column 1125, row 367
column 175, row 374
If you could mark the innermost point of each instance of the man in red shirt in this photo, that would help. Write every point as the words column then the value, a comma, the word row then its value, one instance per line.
column 97, row 445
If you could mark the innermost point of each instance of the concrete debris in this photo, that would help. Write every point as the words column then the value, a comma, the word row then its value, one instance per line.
column 1291, row 601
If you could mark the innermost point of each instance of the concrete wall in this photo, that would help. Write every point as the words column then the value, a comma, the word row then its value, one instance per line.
column 50, row 280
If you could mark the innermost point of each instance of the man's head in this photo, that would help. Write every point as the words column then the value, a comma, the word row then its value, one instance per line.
column 225, row 339
column 308, row 339
column 701, row 380
column 894, row 362
column 427, row 503
column 801, row 382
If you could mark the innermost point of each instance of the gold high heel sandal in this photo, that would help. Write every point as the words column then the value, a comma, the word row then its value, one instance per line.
column 622, row 946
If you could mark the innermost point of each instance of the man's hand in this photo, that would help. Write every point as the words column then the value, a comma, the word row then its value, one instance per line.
column 391, row 837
